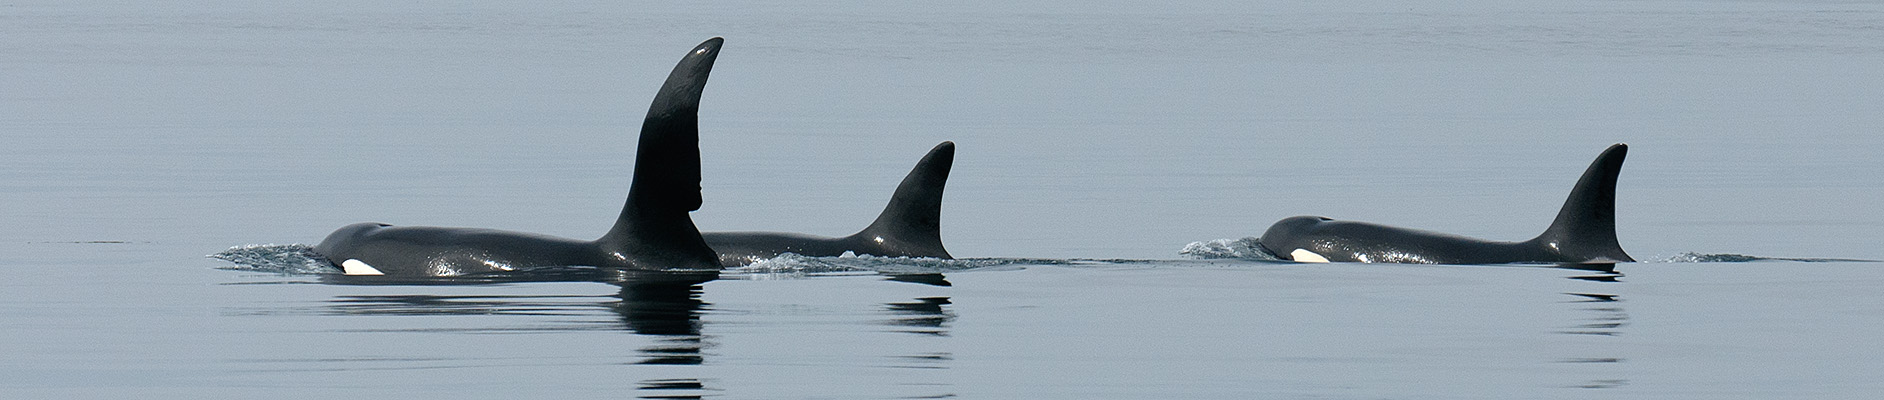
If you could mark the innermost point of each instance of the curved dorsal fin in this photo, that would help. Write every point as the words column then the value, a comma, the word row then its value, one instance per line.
column 911, row 225
column 1586, row 226
column 654, row 227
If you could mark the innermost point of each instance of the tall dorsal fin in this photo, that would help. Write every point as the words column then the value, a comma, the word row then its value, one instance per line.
column 654, row 227
column 911, row 225
column 1586, row 226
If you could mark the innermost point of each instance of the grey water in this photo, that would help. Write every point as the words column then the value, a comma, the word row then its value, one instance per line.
column 1113, row 159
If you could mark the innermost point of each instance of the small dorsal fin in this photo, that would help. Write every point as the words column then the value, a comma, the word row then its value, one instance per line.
column 654, row 226
column 1586, row 226
column 911, row 225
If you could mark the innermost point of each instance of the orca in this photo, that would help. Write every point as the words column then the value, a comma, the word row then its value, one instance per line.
column 653, row 233
column 1584, row 231
column 910, row 226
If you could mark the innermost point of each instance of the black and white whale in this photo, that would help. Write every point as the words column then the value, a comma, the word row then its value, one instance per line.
column 653, row 233
column 910, row 226
column 1584, row 231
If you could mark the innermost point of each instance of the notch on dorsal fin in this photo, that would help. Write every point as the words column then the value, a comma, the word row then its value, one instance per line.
column 911, row 225
column 1585, row 228
column 654, row 224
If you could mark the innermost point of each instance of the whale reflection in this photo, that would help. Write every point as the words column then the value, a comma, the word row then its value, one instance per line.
column 924, row 316
column 1600, row 271
column 666, row 307
column 1604, row 318
column 671, row 389
column 921, row 279
column 929, row 317
column 668, row 311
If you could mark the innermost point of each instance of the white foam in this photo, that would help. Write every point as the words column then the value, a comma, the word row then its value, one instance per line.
column 297, row 259
column 1249, row 248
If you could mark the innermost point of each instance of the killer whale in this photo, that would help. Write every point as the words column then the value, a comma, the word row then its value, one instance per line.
column 653, row 232
column 1584, row 231
column 910, row 226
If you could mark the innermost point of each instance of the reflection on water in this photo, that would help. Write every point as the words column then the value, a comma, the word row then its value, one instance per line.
column 924, row 361
column 928, row 316
column 925, row 279
column 664, row 306
column 1604, row 272
column 671, row 389
column 1605, row 318
column 1599, row 267
column 425, row 304
column 675, row 325
column 1610, row 316
column 924, row 316
column 668, row 311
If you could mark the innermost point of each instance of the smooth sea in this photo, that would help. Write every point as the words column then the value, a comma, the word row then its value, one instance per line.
column 1115, row 158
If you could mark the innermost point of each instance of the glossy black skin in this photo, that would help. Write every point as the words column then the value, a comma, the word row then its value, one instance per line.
column 910, row 226
column 438, row 251
column 1584, row 231
column 744, row 248
column 653, row 231
column 1352, row 241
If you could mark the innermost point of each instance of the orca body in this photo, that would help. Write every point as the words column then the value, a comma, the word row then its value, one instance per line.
column 1584, row 231
column 653, row 232
column 910, row 226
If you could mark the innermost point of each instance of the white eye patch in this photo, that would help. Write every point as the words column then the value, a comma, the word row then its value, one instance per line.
column 357, row 267
column 1303, row 255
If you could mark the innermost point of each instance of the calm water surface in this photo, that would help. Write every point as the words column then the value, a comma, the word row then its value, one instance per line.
column 1096, row 143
